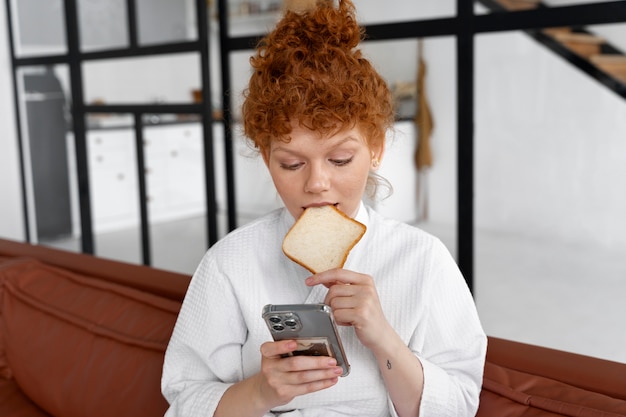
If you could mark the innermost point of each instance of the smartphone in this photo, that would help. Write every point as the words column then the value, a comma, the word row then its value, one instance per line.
column 312, row 326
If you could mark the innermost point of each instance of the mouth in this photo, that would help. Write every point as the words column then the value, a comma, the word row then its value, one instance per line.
column 320, row 205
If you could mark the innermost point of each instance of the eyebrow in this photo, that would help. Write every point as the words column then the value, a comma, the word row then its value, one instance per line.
column 347, row 139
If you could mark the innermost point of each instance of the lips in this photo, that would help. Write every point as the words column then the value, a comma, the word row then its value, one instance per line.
column 320, row 205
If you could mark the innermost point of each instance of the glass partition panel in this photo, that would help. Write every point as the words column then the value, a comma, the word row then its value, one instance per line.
column 254, row 190
column 425, row 197
column 38, row 27
column 114, row 186
column 550, row 169
column 370, row 12
column 166, row 21
column 176, row 196
column 250, row 17
column 162, row 79
column 47, row 142
column 240, row 76
column 102, row 24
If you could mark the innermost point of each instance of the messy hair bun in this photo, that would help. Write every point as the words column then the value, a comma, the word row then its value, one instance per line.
column 308, row 70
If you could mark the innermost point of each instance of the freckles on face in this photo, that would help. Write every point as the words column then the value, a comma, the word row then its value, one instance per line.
column 311, row 170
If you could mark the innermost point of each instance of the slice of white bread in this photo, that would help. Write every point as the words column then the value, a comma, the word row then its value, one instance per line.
column 322, row 238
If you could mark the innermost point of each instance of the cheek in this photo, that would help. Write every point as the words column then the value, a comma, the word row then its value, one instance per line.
column 357, row 178
column 281, row 181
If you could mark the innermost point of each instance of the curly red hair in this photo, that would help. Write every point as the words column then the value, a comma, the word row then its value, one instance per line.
column 308, row 71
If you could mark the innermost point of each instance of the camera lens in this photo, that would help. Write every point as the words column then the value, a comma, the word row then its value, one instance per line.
column 275, row 319
column 278, row 327
column 290, row 323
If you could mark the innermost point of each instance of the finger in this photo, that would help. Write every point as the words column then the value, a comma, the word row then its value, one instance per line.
column 336, row 276
column 302, row 363
column 277, row 349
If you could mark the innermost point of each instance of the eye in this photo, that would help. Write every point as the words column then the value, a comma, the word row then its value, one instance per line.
column 291, row 167
column 342, row 162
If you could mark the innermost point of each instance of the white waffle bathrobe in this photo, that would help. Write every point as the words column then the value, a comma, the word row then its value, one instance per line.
column 219, row 331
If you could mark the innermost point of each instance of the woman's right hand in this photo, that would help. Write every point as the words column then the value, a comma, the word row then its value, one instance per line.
column 284, row 378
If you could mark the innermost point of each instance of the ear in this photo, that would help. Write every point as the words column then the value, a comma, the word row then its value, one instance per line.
column 377, row 156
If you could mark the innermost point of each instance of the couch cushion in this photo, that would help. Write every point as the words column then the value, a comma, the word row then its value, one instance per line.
column 79, row 346
column 5, row 371
column 14, row 403
column 510, row 393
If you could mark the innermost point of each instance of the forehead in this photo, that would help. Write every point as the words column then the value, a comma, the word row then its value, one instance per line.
column 302, row 137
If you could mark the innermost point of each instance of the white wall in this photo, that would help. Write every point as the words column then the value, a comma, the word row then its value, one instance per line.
column 550, row 146
column 11, row 219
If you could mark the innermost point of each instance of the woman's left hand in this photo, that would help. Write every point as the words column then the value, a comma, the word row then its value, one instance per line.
column 354, row 300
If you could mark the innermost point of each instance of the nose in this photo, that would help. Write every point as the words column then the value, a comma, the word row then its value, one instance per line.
column 318, row 179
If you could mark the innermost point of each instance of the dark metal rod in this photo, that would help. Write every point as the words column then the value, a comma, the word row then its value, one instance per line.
column 465, row 140
column 207, row 125
column 146, row 108
column 158, row 50
column 143, row 190
column 18, row 124
column 78, row 117
column 584, row 14
column 41, row 60
column 226, row 106
column 131, row 18
column 148, row 50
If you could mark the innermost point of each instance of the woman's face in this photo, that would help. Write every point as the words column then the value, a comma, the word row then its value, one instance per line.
column 311, row 170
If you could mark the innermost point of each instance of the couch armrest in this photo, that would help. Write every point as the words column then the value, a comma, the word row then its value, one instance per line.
column 593, row 374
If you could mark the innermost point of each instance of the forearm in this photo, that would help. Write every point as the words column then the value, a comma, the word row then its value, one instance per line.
column 242, row 399
column 403, row 375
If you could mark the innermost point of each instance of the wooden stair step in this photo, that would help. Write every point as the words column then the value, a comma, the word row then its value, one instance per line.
column 519, row 4
column 613, row 64
column 579, row 38
column 557, row 30
column 581, row 43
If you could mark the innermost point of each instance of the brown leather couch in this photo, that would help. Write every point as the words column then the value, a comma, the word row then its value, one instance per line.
column 84, row 337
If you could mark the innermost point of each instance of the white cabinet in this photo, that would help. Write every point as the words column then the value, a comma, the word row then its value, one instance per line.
column 113, row 178
column 174, row 162
column 174, row 173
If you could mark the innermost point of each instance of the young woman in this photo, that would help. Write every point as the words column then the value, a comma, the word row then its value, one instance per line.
column 318, row 113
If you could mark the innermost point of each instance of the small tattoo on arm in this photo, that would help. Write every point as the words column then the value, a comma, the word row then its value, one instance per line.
column 388, row 364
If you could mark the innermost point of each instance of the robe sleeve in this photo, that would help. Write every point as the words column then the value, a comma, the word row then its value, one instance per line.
column 454, row 343
column 203, row 358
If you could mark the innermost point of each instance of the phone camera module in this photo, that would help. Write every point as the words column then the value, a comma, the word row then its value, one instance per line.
column 291, row 323
column 278, row 327
column 275, row 319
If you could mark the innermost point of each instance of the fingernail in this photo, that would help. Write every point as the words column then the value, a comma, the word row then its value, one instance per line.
column 308, row 281
column 332, row 362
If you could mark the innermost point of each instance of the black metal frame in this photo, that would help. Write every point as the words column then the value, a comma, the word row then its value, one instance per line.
column 464, row 26
column 74, row 59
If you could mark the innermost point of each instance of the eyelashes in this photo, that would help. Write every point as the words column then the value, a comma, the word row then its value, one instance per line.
column 337, row 162
column 291, row 167
column 342, row 162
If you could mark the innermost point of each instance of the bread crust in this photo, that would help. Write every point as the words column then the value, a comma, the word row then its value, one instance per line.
column 322, row 238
